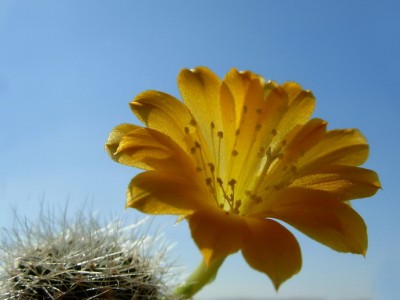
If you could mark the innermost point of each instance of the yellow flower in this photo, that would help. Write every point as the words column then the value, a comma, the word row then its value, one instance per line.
column 239, row 154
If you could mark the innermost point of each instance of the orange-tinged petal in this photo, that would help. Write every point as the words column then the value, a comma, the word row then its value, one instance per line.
column 272, row 249
column 200, row 90
column 339, row 147
column 322, row 217
column 115, row 138
column 146, row 149
column 160, row 192
column 217, row 233
column 296, row 143
column 346, row 182
column 164, row 113
column 301, row 107
column 238, row 83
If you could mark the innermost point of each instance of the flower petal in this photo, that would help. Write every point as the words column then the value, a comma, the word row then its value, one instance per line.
column 116, row 136
column 339, row 147
column 272, row 249
column 322, row 217
column 238, row 83
column 146, row 149
column 164, row 113
column 301, row 107
column 200, row 90
column 217, row 233
column 283, row 167
column 158, row 192
column 346, row 182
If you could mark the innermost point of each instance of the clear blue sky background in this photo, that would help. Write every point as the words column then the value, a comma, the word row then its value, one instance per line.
column 69, row 68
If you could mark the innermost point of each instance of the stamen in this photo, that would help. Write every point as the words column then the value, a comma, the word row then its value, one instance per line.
column 232, row 182
column 260, row 152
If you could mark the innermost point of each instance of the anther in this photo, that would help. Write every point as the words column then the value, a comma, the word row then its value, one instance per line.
column 259, row 110
column 237, row 132
column 274, row 132
column 197, row 145
column 258, row 127
column 193, row 150
column 212, row 125
column 234, row 153
column 187, row 130
column 220, row 134
column 232, row 182
column 212, row 167
column 208, row 181
column 193, row 122
column 219, row 180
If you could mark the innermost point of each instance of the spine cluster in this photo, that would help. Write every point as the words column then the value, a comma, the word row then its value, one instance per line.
column 80, row 260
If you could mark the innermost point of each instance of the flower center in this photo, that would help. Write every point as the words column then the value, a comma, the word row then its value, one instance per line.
column 234, row 178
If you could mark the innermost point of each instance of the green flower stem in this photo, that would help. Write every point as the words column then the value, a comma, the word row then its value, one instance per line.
column 200, row 277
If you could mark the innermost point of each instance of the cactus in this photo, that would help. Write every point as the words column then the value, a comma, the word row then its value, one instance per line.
column 81, row 259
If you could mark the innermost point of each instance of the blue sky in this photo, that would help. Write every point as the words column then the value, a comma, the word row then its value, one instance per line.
column 69, row 68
